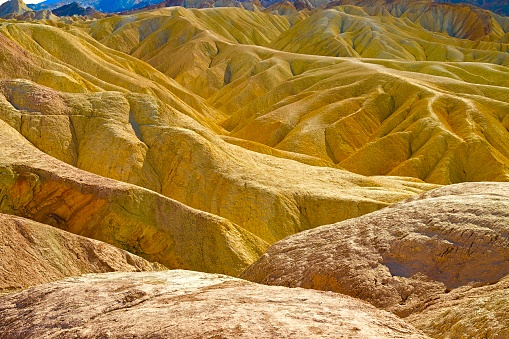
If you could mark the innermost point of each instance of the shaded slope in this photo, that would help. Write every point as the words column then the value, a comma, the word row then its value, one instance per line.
column 402, row 257
column 498, row 6
column 74, row 9
column 13, row 7
column 191, row 304
column 36, row 186
column 34, row 254
column 101, row 5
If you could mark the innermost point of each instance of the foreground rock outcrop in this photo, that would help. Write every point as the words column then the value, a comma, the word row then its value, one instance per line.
column 402, row 257
column 184, row 304
column 33, row 253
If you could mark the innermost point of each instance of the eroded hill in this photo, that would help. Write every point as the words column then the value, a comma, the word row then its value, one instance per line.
column 197, row 138
column 114, row 115
column 420, row 98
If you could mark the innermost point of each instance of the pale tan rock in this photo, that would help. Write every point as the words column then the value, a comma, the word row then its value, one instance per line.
column 185, row 304
column 33, row 253
column 401, row 257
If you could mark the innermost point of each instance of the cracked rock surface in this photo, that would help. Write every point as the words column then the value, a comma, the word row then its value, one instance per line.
column 467, row 312
column 402, row 257
column 186, row 304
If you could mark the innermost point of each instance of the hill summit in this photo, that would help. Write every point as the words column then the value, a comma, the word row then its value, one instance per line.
column 74, row 9
column 13, row 7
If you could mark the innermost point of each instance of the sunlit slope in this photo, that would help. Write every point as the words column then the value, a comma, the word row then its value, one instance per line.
column 349, row 31
column 440, row 121
column 143, row 139
column 270, row 197
column 374, row 119
column 68, row 60
column 36, row 186
column 189, row 37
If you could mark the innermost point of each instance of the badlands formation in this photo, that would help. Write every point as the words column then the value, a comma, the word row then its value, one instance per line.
column 358, row 147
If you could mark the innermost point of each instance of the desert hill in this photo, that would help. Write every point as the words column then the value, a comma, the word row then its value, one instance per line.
column 426, row 108
column 41, row 188
column 164, row 141
column 198, row 138
column 34, row 254
column 13, row 7
column 113, row 115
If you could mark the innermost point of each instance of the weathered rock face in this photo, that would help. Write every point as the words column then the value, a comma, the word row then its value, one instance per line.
column 403, row 256
column 188, row 304
column 34, row 253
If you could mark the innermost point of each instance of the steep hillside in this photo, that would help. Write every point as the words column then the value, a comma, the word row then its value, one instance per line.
column 113, row 115
column 38, row 187
column 13, row 7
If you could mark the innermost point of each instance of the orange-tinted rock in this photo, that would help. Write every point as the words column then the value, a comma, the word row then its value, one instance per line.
column 39, row 187
column 187, row 304
column 33, row 253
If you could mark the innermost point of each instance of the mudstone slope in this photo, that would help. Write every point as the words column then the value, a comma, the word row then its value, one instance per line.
column 197, row 138
column 34, row 254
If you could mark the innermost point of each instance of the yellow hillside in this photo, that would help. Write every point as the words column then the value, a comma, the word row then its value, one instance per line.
column 111, row 114
column 419, row 95
column 234, row 113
